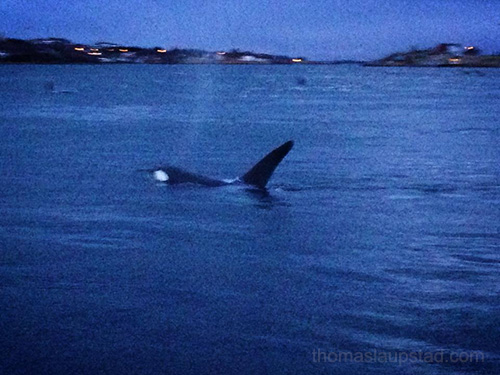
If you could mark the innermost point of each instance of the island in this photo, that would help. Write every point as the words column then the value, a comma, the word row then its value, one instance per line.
column 442, row 55
column 63, row 51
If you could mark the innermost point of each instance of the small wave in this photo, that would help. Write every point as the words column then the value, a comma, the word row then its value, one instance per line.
column 305, row 188
column 476, row 259
column 438, row 274
column 468, row 235
column 471, row 130
column 432, row 188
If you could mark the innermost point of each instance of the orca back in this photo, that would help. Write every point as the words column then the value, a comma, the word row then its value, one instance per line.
column 174, row 175
column 261, row 172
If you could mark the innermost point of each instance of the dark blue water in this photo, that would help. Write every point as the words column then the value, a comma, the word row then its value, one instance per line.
column 380, row 231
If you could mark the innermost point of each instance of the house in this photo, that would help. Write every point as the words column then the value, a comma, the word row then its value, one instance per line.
column 50, row 41
column 452, row 49
column 471, row 51
column 106, row 45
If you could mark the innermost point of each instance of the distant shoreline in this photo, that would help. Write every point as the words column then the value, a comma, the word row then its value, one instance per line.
column 368, row 65
column 444, row 55
column 485, row 62
column 58, row 51
column 63, row 51
column 361, row 63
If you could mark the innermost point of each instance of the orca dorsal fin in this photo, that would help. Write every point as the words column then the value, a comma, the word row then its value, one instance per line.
column 262, row 171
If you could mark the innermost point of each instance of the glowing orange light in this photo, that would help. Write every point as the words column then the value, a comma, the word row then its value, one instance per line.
column 79, row 49
column 123, row 50
column 161, row 50
column 453, row 60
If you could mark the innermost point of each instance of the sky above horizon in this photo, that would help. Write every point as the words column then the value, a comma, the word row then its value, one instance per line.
column 316, row 29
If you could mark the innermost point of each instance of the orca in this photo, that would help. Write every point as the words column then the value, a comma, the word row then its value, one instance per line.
column 257, row 176
column 50, row 87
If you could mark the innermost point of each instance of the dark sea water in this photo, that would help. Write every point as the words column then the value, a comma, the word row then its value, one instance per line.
column 380, row 232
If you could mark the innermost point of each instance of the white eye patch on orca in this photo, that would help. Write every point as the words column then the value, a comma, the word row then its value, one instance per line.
column 161, row 175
